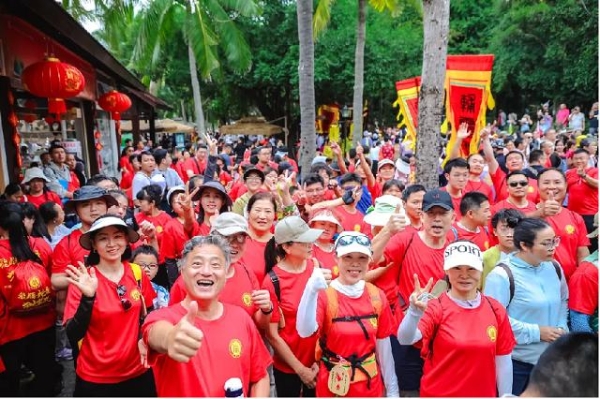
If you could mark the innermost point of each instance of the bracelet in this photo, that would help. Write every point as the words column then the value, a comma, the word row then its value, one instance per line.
column 269, row 311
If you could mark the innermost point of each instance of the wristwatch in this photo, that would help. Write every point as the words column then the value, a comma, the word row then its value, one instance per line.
column 269, row 311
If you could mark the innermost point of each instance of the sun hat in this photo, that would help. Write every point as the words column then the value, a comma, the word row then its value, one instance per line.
column 385, row 206
column 594, row 233
column 34, row 173
column 437, row 198
column 173, row 190
column 87, row 193
column 463, row 253
column 106, row 221
column 215, row 185
column 319, row 159
column 229, row 223
column 295, row 229
column 352, row 242
column 385, row 161
column 325, row 215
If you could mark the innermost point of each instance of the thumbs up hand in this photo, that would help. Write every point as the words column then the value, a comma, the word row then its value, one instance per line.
column 185, row 339
column 397, row 221
column 551, row 206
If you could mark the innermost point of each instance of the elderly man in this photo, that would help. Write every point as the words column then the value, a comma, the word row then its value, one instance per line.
column 201, row 346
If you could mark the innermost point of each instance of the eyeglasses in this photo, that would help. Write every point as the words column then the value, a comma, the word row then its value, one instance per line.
column 126, row 303
column 148, row 266
column 551, row 244
column 239, row 238
column 518, row 183
column 347, row 239
column 253, row 178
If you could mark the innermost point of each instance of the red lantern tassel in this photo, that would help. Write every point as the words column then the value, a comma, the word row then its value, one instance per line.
column 57, row 106
column 116, row 116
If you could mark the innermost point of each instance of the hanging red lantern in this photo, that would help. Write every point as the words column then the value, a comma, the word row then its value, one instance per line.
column 55, row 80
column 115, row 103
column 31, row 104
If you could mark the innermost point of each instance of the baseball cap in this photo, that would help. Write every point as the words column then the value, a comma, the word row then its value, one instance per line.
column 350, row 242
column 385, row 206
column 384, row 162
column 463, row 253
column 295, row 229
column 106, row 221
column 229, row 223
column 173, row 190
column 437, row 198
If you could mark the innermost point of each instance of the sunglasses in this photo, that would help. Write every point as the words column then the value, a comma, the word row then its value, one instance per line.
column 239, row 238
column 518, row 183
column 126, row 303
column 345, row 240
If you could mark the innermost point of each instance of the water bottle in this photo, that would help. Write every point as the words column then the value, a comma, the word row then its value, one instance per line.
column 234, row 388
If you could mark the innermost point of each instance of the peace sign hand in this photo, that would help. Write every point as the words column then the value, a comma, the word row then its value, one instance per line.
column 421, row 296
column 185, row 200
column 82, row 278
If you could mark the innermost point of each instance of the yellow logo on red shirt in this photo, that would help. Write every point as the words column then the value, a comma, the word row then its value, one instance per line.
column 159, row 229
column 135, row 295
column 530, row 189
column 247, row 299
column 335, row 271
column 492, row 333
column 357, row 227
column 235, row 348
column 34, row 283
column 373, row 321
column 569, row 229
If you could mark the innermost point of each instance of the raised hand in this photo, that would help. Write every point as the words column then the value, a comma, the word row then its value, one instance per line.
column 486, row 132
column 185, row 339
column 186, row 199
column 420, row 296
column 551, row 206
column 397, row 221
column 83, row 278
column 463, row 131
column 335, row 148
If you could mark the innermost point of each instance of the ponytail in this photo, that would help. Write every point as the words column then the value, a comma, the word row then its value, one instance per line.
column 273, row 254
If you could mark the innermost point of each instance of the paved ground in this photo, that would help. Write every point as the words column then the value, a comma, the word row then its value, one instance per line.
column 68, row 378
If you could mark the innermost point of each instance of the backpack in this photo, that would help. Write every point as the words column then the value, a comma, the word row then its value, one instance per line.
column 511, row 278
column 27, row 288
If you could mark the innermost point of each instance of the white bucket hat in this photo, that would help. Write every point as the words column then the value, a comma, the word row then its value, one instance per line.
column 34, row 173
column 385, row 206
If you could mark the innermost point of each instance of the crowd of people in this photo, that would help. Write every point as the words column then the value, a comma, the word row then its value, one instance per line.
column 224, row 270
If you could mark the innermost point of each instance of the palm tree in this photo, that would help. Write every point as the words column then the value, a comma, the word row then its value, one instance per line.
column 306, row 75
column 436, row 23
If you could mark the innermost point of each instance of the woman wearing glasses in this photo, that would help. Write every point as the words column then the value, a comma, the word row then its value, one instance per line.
column 534, row 291
column 105, row 304
column 353, row 321
column 290, row 264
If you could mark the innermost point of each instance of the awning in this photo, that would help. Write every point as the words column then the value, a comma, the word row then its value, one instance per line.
column 148, row 98
column 251, row 126
column 160, row 125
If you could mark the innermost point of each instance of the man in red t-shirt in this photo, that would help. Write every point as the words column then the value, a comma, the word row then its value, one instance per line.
column 514, row 160
column 264, row 159
column 476, row 164
column 201, row 346
column 517, row 184
column 473, row 226
column 408, row 253
column 568, row 225
column 196, row 165
column 457, row 173
column 582, row 185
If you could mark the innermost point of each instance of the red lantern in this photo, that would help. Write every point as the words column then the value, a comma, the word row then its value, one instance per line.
column 115, row 103
column 55, row 80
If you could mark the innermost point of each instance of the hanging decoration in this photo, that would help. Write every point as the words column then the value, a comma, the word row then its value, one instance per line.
column 115, row 102
column 55, row 80
column 408, row 108
column 13, row 120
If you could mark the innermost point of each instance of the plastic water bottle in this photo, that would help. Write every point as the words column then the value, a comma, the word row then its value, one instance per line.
column 234, row 388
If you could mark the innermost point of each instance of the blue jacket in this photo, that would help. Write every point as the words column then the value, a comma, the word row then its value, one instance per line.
column 540, row 300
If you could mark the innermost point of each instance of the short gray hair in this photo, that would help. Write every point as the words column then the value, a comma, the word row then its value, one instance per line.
column 211, row 239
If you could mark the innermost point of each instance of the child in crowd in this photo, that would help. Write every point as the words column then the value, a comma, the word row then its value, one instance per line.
column 147, row 258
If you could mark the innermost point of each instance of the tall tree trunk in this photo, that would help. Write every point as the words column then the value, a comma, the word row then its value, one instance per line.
column 196, row 91
column 359, row 70
column 436, row 21
column 306, row 73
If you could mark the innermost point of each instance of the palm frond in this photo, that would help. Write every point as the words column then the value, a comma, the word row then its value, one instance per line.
column 245, row 8
column 322, row 17
column 203, row 39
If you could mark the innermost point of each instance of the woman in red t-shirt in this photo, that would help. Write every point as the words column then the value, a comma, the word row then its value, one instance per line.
column 461, row 330
column 38, row 191
column 105, row 304
column 326, row 220
column 289, row 262
column 261, row 217
column 26, row 317
column 150, row 198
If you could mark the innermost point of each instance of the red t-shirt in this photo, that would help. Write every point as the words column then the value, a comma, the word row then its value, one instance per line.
column 481, row 238
column 109, row 352
column 570, row 227
column 44, row 197
column 348, row 338
column 225, row 178
column 173, row 240
column 237, row 291
column 254, row 257
column 583, row 289
column 126, row 179
column 13, row 327
column 466, row 344
column 583, row 198
column 505, row 204
column 499, row 179
column 235, row 191
column 326, row 260
column 196, row 166
column 409, row 255
column 291, row 288
column 231, row 348
column 481, row 187
column 455, row 204
column 353, row 221
column 68, row 252
column 376, row 191
column 178, row 167
column 262, row 167
column 159, row 221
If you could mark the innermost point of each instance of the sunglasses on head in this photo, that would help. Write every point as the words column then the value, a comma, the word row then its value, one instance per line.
column 345, row 240
column 518, row 183
column 126, row 303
